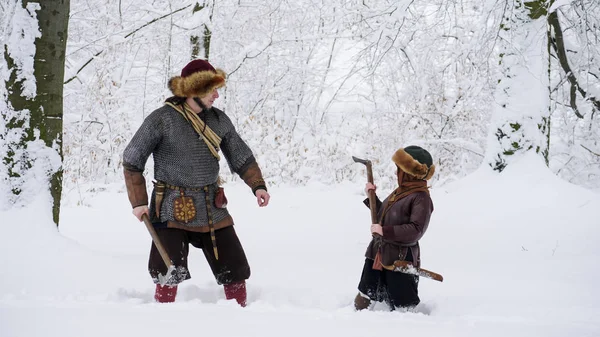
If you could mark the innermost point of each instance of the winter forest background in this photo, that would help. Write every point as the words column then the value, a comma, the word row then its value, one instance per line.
column 311, row 83
column 496, row 90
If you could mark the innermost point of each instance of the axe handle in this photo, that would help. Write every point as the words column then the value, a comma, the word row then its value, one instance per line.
column 372, row 199
column 373, row 207
column 156, row 240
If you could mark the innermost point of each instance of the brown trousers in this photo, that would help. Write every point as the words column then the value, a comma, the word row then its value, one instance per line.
column 232, row 265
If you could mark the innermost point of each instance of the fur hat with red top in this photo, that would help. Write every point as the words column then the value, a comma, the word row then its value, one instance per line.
column 198, row 79
column 415, row 161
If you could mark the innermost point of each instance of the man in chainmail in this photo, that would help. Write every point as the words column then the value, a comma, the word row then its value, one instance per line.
column 187, row 205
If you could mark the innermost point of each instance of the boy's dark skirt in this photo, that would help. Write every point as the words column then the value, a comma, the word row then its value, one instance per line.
column 397, row 289
column 232, row 265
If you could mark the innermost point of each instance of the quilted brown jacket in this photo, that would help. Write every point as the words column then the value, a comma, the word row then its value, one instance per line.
column 404, row 224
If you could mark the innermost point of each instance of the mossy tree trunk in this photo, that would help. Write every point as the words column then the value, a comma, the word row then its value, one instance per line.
column 45, row 108
column 521, row 119
column 202, row 50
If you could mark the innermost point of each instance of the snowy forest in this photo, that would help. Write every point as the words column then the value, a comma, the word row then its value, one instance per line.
column 504, row 94
column 310, row 83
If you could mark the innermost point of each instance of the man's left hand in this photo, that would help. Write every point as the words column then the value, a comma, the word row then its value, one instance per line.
column 262, row 197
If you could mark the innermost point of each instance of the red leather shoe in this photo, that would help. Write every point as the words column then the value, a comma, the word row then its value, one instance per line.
column 237, row 291
column 165, row 294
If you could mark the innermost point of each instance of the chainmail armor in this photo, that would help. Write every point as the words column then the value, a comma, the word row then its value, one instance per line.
column 182, row 158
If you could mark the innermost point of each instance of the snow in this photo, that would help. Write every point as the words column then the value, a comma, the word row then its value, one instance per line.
column 559, row 3
column 518, row 252
column 20, row 31
column 521, row 97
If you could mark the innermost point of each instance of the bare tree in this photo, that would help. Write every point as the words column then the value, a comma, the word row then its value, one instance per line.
column 532, row 42
column 575, row 57
column 322, row 78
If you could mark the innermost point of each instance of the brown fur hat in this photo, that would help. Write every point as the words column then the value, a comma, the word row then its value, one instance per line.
column 198, row 79
column 415, row 161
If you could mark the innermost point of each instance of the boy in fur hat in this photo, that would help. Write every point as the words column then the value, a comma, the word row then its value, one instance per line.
column 403, row 219
column 187, row 206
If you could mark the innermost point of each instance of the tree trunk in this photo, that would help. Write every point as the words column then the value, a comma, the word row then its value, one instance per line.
column 50, row 73
column 195, row 39
column 41, row 112
column 557, row 43
column 520, row 121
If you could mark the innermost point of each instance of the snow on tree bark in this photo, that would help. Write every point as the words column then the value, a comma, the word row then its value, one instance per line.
column 34, row 56
column 521, row 116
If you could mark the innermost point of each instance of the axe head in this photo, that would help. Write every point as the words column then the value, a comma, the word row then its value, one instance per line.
column 362, row 161
column 163, row 279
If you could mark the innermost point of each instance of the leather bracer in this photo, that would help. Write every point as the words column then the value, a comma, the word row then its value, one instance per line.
column 136, row 188
column 253, row 178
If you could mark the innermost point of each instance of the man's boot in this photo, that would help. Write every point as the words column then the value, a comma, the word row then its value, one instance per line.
column 361, row 302
column 237, row 291
column 165, row 294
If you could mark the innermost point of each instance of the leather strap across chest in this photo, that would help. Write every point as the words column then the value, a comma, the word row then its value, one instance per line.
column 212, row 140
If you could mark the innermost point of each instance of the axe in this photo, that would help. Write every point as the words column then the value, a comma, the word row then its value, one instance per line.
column 372, row 204
column 372, row 200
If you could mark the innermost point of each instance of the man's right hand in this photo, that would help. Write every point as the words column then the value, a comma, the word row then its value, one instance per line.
column 369, row 187
column 139, row 211
column 262, row 197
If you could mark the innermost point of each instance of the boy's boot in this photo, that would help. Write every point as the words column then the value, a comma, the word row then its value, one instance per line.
column 361, row 302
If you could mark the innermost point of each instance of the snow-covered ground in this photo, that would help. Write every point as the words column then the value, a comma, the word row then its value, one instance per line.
column 519, row 253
